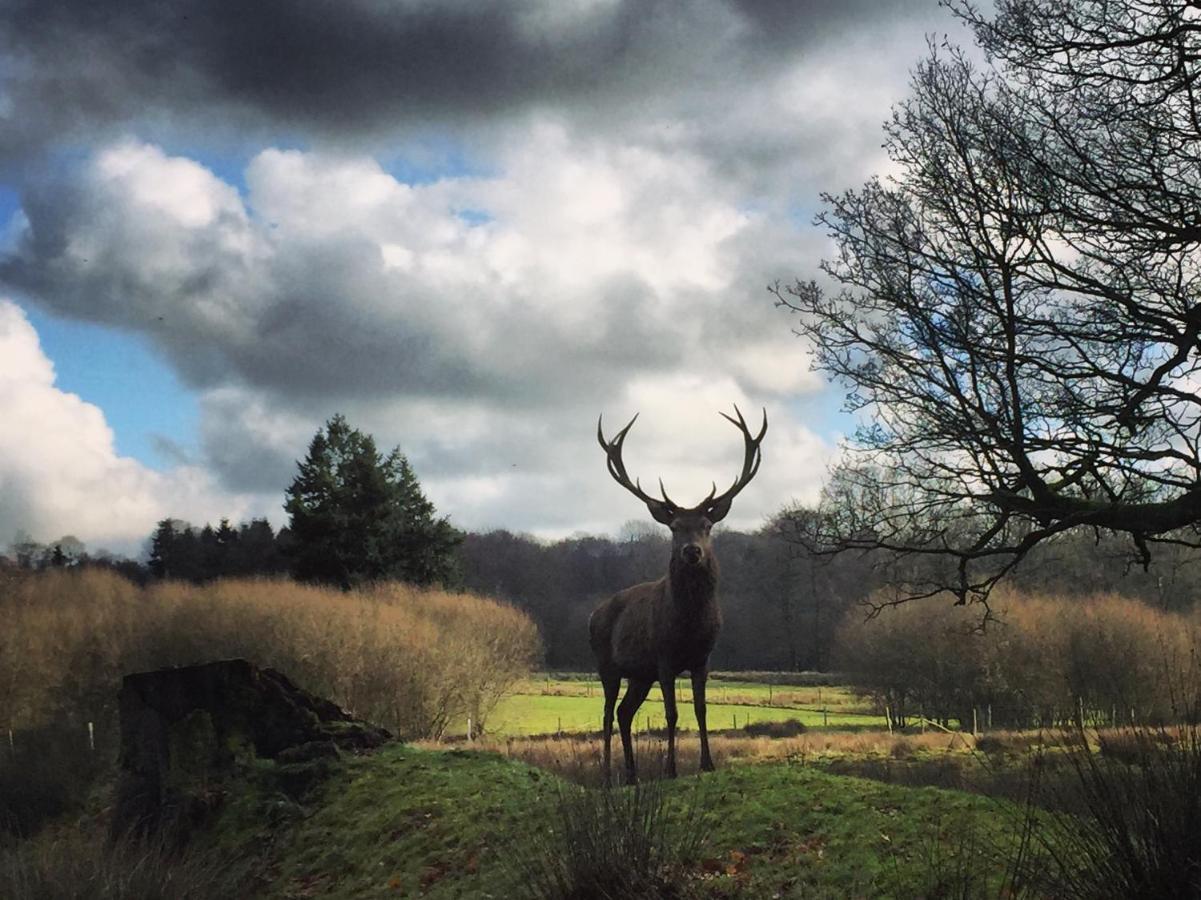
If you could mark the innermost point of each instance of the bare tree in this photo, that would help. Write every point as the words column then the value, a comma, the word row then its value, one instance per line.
column 654, row 631
column 1017, row 316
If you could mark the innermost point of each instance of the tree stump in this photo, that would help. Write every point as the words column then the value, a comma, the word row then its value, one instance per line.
column 185, row 730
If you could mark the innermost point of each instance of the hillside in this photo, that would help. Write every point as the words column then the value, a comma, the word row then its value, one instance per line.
column 448, row 824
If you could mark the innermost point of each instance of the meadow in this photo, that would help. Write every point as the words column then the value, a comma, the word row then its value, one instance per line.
column 558, row 704
column 814, row 795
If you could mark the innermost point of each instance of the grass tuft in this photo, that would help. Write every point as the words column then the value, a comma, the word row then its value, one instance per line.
column 615, row 844
column 79, row 865
column 1126, row 816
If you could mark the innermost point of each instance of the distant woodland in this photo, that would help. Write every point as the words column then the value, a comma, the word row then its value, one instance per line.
column 783, row 606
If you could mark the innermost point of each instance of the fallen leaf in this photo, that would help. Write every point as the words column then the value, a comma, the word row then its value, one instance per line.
column 431, row 875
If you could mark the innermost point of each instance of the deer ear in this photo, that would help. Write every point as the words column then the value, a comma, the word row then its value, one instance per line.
column 661, row 513
column 718, row 510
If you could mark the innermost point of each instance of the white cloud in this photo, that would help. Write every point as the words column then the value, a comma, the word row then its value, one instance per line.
column 591, row 276
column 60, row 472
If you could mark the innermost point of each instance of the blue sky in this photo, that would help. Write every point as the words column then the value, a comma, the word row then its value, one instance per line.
column 126, row 377
column 471, row 253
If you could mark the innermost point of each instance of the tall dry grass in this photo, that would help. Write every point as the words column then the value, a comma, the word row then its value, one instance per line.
column 413, row 660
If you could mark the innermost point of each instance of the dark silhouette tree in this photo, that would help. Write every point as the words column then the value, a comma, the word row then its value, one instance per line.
column 176, row 551
column 1016, row 311
column 358, row 516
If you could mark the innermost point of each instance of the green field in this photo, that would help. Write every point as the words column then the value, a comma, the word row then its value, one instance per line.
column 572, row 705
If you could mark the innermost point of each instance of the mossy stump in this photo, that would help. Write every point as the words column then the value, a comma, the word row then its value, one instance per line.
column 185, row 730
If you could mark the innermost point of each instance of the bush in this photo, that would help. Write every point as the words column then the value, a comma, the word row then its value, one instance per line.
column 785, row 729
column 613, row 844
column 1126, row 820
column 411, row 659
column 1037, row 664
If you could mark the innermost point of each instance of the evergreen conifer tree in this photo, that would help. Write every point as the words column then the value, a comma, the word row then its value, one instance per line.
column 358, row 516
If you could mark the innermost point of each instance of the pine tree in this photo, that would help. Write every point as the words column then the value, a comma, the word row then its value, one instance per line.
column 358, row 516
column 162, row 545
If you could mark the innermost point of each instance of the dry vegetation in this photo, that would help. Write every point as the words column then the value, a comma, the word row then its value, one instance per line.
column 410, row 659
column 1039, row 663
column 577, row 757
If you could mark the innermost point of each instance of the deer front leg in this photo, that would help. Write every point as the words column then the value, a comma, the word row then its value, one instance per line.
column 667, row 682
column 699, row 676
column 636, row 691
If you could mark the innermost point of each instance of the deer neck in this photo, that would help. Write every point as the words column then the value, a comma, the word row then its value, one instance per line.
column 693, row 587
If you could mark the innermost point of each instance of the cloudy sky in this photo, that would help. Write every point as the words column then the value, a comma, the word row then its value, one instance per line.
column 470, row 227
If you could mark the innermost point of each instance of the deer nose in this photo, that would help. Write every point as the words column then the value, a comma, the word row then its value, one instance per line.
column 692, row 553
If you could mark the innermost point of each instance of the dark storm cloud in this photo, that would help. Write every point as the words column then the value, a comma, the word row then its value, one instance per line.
column 671, row 141
column 75, row 67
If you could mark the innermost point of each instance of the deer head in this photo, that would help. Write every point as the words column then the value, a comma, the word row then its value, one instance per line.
column 690, row 526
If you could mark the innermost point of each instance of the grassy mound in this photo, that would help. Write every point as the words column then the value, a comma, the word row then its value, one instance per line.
column 411, row 822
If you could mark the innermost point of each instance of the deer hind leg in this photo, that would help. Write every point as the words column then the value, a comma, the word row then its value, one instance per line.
column 667, row 682
column 698, row 701
column 636, row 691
column 612, row 687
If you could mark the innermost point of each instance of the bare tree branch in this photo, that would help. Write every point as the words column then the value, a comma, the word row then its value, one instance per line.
column 1016, row 312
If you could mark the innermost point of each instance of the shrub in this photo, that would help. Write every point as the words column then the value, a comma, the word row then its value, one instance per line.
column 1126, row 820
column 1038, row 663
column 411, row 659
column 785, row 729
column 613, row 844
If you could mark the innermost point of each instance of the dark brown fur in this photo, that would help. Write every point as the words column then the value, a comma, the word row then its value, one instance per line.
column 654, row 631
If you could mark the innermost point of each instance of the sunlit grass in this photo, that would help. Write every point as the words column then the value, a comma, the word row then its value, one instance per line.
column 572, row 706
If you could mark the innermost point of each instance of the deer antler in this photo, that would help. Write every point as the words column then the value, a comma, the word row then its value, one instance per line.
column 717, row 507
column 663, row 510
column 714, row 507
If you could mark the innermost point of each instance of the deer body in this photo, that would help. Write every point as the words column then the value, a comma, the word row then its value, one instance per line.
column 650, row 627
column 657, row 630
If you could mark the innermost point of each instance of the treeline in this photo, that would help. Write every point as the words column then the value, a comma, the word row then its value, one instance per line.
column 176, row 550
column 186, row 553
column 781, row 606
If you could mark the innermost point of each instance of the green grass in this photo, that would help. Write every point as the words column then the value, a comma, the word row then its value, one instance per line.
column 441, row 824
column 574, row 705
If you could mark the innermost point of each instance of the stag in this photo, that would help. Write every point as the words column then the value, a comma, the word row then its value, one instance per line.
column 655, row 631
